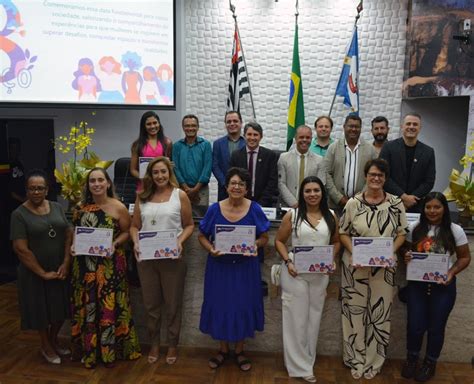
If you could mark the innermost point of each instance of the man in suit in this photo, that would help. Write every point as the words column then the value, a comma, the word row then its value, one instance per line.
column 223, row 148
column 412, row 164
column 344, row 163
column 261, row 163
column 295, row 165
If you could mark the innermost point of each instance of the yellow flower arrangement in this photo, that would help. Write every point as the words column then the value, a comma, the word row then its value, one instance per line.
column 461, row 186
column 74, row 172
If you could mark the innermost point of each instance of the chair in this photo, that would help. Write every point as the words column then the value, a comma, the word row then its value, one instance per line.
column 125, row 183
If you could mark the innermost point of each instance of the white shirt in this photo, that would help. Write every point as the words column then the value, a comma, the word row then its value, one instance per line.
column 350, row 169
column 162, row 216
column 460, row 237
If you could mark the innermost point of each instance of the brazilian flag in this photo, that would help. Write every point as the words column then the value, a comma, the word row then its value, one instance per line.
column 296, row 105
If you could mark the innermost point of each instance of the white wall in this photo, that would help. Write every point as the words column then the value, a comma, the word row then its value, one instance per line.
column 444, row 127
column 267, row 32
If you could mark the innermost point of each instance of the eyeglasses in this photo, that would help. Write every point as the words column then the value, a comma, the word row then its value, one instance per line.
column 240, row 184
column 36, row 189
column 375, row 175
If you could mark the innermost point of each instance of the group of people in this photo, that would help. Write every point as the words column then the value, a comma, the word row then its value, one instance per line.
column 335, row 191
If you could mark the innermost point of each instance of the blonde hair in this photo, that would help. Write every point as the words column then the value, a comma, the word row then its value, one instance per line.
column 149, row 186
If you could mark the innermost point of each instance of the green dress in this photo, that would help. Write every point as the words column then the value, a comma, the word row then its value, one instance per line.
column 42, row 302
column 102, row 326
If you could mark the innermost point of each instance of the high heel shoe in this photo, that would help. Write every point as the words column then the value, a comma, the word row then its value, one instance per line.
column 50, row 359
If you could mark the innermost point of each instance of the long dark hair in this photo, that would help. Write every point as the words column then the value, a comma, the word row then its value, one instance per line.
column 86, row 193
column 443, row 235
column 137, row 146
column 302, row 211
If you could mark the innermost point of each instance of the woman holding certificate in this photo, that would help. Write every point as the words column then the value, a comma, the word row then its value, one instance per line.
column 151, row 143
column 102, row 327
column 161, row 211
column 430, row 303
column 232, row 309
column 303, row 294
column 42, row 239
column 366, row 289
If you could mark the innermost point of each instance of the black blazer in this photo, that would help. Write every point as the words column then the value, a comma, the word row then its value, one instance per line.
column 422, row 175
column 266, row 174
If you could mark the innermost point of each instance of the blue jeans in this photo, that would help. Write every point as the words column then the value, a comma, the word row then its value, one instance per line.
column 429, row 306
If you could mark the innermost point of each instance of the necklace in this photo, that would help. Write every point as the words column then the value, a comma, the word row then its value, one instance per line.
column 153, row 220
column 376, row 203
column 52, row 232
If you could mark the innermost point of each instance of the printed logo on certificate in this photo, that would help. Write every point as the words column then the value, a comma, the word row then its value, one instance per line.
column 235, row 239
column 158, row 245
column 373, row 251
column 428, row 267
column 314, row 259
column 142, row 165
column 91, row 241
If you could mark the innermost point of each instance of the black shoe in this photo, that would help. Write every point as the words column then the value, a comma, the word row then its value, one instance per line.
column 426, row 371
column 409, row 367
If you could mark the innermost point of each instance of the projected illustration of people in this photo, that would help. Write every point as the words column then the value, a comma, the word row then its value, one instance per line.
column 19, row 62
column 149, row 92
column 109, row 73
column 132, row 80
column 85, row 81
column 165, row 83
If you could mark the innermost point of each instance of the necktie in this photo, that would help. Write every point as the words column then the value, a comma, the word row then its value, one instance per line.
column 250, row 167
column 301, row 169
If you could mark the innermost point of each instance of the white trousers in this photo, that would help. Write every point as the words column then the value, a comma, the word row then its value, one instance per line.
column 302, row 307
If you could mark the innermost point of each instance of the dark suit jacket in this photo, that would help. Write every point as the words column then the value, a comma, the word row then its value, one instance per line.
column 422, row 175
column 220, row 162
column 266, row 174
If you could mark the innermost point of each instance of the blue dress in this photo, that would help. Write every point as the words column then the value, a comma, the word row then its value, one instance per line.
column 233, row 303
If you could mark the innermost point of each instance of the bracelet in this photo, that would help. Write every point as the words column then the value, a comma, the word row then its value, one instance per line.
column 288, row 261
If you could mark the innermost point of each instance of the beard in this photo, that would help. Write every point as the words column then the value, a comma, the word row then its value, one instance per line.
column 380, row 138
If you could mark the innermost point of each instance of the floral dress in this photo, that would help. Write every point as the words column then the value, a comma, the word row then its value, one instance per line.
column 102, row 327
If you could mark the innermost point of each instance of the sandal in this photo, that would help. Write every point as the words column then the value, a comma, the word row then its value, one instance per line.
column 369, row 375
column 154, row 354
column 242, row 361
column 356, row 375
column 217, row 360
column 171, row 359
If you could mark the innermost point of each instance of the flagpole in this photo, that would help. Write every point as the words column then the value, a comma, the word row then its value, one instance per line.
column 359, row 10
column 232, row 9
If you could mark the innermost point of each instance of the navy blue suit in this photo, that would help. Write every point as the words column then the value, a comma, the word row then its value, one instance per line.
column 220, row 162
column 266, row 174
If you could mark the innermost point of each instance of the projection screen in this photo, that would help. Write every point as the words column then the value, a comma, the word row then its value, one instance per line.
column 87, row 52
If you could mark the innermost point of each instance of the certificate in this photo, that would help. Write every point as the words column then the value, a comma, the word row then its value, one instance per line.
column 428, row 267
column 412, row 217
column 142, row 165
column 314, row 259
column 235, row 239
column 373, row 251
column 93, row 241
column 156, row 245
